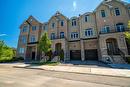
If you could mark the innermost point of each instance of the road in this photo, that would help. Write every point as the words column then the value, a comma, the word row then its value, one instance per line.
column 19, row 77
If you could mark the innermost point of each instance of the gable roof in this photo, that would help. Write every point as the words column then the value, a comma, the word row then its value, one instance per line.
column 57, row 14
column 28, row 19
column 105, row 2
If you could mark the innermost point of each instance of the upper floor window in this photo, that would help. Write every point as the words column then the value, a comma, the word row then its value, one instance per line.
column 23, row 39
column 62, row 23
column 62, row 35
column 103, row 13
column 73, row 22
column 117, row 11
column 129, row 8
column 21, row 50
column 52, row 36
column 45, row 27
column 86, row 18
column 105, row 29
column 89, row 32
column 74, row 35
column 33, row 39
column 24, row 29
column 53, row 25
column 120, row 27
column 34, row 28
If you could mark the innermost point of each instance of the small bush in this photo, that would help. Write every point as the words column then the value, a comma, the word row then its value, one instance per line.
column 6, row 59
column 18, row 59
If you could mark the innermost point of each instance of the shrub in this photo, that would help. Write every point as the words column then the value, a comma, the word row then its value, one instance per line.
column 6, row 59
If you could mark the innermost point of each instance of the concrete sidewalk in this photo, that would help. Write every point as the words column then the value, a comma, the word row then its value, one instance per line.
column 83, row 70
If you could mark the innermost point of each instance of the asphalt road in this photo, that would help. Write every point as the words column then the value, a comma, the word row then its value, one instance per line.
column 19, row 77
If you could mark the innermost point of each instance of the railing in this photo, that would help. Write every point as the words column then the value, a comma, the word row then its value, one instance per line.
column 110, row 53
column 122, row 54
column 117, row 52
column 114, row 31
column 58, row 37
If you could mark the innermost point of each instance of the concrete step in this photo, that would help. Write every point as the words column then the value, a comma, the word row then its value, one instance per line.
column 118, row 60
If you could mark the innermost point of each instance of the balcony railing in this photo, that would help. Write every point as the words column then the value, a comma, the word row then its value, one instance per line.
column 114, row 31
column 58, row 37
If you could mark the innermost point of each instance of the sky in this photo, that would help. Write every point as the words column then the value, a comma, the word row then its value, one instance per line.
column 14, row 12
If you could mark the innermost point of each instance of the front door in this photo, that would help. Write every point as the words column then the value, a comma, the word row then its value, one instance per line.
column 112, row 47
column 58, row 48
column 33, row 55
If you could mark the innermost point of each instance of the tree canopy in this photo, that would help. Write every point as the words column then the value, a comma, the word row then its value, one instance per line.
column 127, row 34
column 6, row 53
column 45, row 43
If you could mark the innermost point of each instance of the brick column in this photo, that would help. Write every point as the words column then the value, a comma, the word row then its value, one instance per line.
column 82, row 50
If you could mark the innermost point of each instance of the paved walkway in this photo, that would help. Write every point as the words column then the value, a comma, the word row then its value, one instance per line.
column 83, row 70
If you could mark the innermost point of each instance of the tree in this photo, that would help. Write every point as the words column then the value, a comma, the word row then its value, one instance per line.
column 45, row 43
column 128, row 24
column 1, row 47
column 127, row 34
column 6, row 53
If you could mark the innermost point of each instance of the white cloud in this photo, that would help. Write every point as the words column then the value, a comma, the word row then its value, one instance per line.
column 3, row 35
column 74, row 5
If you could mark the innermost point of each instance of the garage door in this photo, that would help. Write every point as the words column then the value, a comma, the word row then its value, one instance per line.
column 91, row 54
column 75, row 55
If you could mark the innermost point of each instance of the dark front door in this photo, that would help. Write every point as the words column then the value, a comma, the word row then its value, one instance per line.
column 91, row 54
column 58, row 48
column 112, row 47
column 75, row 55
column 33, row 55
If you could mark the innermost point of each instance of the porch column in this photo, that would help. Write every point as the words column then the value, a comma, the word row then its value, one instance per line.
column 82, row 50
column 36, row 52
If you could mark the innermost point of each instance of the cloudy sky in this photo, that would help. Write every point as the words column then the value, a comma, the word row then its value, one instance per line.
column 14, row 12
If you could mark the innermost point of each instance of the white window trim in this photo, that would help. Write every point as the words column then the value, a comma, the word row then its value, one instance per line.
column 74, row 35
column 91, row 34
column 115, row 11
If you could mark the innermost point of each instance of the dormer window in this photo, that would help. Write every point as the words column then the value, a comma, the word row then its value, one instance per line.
column 53, row 25
column 86, row 18
column 117, row 11
column 103, row 13
column 45, row 27
column 62, row 23
column 31, row 20
column 34, row 28
column 73, row 22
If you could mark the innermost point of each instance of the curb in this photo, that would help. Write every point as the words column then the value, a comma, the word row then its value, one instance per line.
column 27, row 67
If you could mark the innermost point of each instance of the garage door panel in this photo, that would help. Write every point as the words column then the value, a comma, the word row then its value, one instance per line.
column 75, row 55
column 91, row 54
